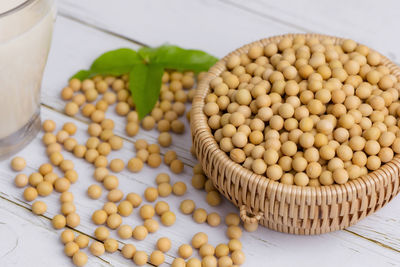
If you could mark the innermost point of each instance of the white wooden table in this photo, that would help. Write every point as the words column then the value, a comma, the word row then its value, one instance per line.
column 86, row 28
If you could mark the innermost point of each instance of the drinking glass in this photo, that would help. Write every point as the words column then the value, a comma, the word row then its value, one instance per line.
column 26, row 28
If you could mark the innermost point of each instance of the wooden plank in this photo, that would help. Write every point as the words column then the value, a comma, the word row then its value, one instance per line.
column 382, row 226
column 221, row 26
column 261, row 245
column 369, row 22
column 85, row 206
column 77, row 55
column 28, row 241
column 264, row 242
column 209, row 25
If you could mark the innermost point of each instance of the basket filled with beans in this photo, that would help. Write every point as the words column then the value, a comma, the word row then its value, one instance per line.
column 301, row 131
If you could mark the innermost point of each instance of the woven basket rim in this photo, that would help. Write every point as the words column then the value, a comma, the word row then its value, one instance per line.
column 199, row 125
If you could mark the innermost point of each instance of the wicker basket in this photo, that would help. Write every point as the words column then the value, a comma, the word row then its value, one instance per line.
column 289, row 208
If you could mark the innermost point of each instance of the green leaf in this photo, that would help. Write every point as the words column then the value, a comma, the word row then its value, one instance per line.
column 146, row 68
column 81, row 75
column 115, row 62
column 145, row 85
column 174, row 57
column 147, row 53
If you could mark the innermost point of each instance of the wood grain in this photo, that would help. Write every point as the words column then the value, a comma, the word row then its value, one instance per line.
column 224, row 25
column 369, row 230
column 210, row 25
column 29, row 241
column 75, row 46
column 263, row 243
column 368, row 22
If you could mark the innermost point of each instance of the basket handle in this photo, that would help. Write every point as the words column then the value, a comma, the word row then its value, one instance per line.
column 247, row 219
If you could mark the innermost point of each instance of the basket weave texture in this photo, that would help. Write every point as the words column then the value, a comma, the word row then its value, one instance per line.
column 289, row 208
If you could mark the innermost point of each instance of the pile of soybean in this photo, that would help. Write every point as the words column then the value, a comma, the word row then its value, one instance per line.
column 306, row 111
column 93, row 99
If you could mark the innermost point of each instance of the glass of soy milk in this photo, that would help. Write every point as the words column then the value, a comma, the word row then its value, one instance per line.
column 26, row 28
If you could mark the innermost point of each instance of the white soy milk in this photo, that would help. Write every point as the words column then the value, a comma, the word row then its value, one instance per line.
column 25, row 37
